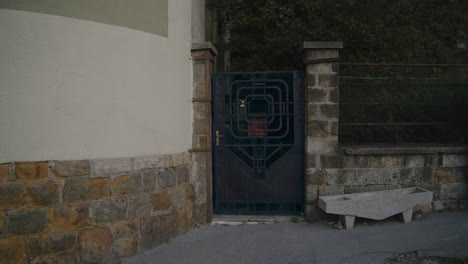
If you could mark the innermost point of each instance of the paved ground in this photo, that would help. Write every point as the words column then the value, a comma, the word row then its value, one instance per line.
column 440, row 234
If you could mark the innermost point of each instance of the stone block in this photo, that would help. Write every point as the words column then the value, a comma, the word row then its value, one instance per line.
column 168, row 161
column 312, row 193
column 328, row 80
column 70, row 168
column 385, row 161
column 311, row 80
column 27, row 221
column 454, row 191
column 86, row 189
column 184, row 218
column 69, row 257
column 199, row 141
column 334, row 128
column 155, row 230
column 201, row 213
column 2, row 220
column 375, row 176
column 178, row 159
column 139, row 206
column 316, row 95
column 320, row 68
column 188, row 158
column 42, row 193
column 310, row 161
column 50, row 243
column 417, row 176
column 125, row 247
column 149, row 181
column 111, row 166
column 199, row 110
column 451, row 175
column 414, row 161
column 109, row 210
column 334, row 95
column 161, row 201
column 31, row 171
column 330, row 111
column 433, row 160
column 130, row 184
column 331, row 161
column 11, row 195
column 315, row 145
column 12, row 250
column 355, row 161
column 455, row 160
column 339, row 176
column 369, row 188
column 317, row 129
column 189, row 192
column 4, row 173
column 166, row 178
column 68, row 217
column 313, row 112
column 126, row 228
column 321, row 52
column 95, row 245
column 178, row 195
column 200, row 126
column 182, row 175
column 200, row 174
column 149, row 162
column 316, row 176
column 199, row 70
column 442, row 205
column 331, row 190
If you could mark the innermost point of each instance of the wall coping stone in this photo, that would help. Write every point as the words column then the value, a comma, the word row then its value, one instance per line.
column 401, row 149
column 322, row 45
column 204, row 46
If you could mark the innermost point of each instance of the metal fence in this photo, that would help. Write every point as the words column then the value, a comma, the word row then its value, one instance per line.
column 403, row 103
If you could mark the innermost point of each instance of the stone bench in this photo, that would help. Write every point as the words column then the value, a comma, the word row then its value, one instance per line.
column 375, row 205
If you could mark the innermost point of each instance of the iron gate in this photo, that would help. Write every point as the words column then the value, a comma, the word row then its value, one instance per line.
column 258, row 143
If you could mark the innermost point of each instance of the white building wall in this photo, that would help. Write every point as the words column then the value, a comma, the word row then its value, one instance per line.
column 76, row 89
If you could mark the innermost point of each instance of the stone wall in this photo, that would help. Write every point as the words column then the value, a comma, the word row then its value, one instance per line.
column 333, row 169
column 94, row 211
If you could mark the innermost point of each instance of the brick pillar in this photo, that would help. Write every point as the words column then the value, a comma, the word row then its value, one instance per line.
column 322, row 110
column 203, row 59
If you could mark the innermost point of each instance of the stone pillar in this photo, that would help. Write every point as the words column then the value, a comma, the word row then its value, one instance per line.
column 322, row 110
column 203, row 57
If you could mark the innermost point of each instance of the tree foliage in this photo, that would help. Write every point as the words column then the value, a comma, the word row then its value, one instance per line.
column 268, row 34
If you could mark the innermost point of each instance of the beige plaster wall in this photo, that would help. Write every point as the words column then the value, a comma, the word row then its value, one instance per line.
column 198, row 21
column 145, row 15
column 77, row 89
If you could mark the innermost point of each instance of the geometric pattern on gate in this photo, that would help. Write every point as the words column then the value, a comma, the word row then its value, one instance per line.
column 261, row 120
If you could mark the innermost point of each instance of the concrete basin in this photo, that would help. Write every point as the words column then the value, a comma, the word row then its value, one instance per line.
column 375, row 205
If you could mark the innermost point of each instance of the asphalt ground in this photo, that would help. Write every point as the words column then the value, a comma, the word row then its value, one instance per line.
column 434, row 234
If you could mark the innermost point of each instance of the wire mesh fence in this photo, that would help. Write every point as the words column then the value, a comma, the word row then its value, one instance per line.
column 403, row 103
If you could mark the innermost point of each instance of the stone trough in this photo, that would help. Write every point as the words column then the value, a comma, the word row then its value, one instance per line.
column 375, row 205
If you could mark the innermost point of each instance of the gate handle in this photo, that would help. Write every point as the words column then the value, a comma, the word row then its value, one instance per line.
column 217, row 137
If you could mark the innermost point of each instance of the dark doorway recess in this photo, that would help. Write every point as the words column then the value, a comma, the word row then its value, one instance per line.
column 258, row 143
